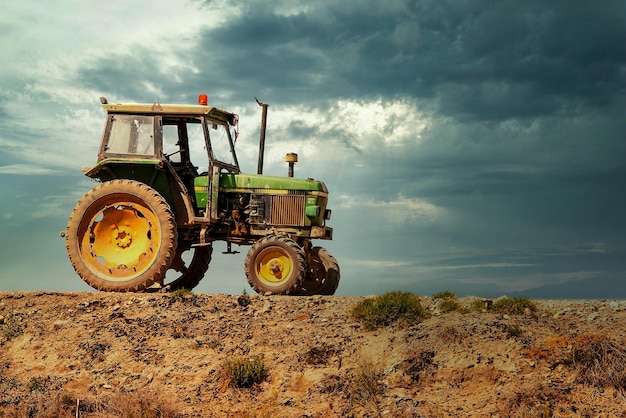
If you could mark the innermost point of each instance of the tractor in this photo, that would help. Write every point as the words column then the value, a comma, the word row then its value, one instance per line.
column 151, row 222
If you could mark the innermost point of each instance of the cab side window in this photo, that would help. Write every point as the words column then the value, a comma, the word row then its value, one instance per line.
column 131, row 134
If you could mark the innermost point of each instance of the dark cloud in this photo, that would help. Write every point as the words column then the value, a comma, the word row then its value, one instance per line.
column 126, row 76
column 482, row 59
column 479, row 60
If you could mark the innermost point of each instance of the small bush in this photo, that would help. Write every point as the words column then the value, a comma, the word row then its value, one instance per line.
column 513, row 331
column 513, row 306
column 37, row 384
column 387, row 309
column 478, row 305
column 182, row 292
column 446, row 294
column 11, row 327
column 245, row 372
column 449, row 305
column 447, row 301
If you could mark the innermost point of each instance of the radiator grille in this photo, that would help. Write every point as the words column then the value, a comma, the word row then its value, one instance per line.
column 287, row 210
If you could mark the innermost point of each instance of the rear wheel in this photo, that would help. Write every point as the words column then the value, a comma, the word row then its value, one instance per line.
column 188, row 268
column 275, row 265
column 121, row 236
column 322, row 276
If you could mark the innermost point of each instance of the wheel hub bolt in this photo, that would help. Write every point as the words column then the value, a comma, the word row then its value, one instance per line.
column 123, row 238
column 275, row 266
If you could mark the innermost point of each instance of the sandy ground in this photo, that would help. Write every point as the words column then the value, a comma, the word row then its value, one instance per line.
column 80, row 350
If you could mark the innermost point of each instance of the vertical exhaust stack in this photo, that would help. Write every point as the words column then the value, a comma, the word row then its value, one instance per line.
column 292, row 159
column 262, row 138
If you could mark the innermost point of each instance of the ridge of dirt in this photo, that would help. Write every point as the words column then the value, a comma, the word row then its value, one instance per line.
column 79, row 349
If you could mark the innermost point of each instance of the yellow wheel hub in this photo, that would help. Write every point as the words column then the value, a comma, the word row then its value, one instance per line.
column 274, row 265
column 122, row 240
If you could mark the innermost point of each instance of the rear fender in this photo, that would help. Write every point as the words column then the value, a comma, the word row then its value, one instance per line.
column 158, row 174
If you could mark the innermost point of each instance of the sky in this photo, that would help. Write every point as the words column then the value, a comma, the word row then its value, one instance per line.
column 471, row 146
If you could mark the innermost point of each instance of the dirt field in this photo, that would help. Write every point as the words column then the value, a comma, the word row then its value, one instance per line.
column 164, row 355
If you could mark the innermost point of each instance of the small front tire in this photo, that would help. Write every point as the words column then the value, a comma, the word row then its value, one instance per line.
column 275, row 265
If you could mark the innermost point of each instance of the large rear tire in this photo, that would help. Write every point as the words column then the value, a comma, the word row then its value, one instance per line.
column 121, row 236
column 275, row 265
column 322, row 276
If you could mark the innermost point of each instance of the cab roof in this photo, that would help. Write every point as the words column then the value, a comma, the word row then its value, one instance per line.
column 156, row 108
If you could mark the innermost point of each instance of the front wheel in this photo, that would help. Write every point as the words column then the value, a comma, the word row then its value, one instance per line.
column 322, row 276
column 121, row 236
column 275, row 265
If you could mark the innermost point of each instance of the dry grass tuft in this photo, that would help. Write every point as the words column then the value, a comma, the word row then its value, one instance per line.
column 599, row 360
column 418, row 364
column 320, row 354
column 451, row 334
column 534, row 402
column 367, row 383
column 141, row 404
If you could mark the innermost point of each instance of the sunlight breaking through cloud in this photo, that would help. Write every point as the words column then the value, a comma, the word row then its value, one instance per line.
column 395, row 212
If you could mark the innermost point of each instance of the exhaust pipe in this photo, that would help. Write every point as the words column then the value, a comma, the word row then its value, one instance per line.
column 262, row 138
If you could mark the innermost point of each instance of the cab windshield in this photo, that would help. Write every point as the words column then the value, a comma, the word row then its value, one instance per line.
column 222, row 146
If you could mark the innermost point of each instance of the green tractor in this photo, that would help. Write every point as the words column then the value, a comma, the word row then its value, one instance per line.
column 152, row 221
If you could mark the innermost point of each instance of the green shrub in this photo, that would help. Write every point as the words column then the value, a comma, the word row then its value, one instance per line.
column 449, row 305
column 447, row 301
column 36, row 384
column 478, row 305
column 11, row 327
column 446, row 294
column 513, row 306
column 182, row 292
column 513, row 330
column 387, row 309
column 245, row 372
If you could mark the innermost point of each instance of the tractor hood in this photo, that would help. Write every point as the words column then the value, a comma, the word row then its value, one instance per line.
column 258, row 181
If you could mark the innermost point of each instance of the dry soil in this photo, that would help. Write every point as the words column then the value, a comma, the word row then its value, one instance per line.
column 86, row 354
